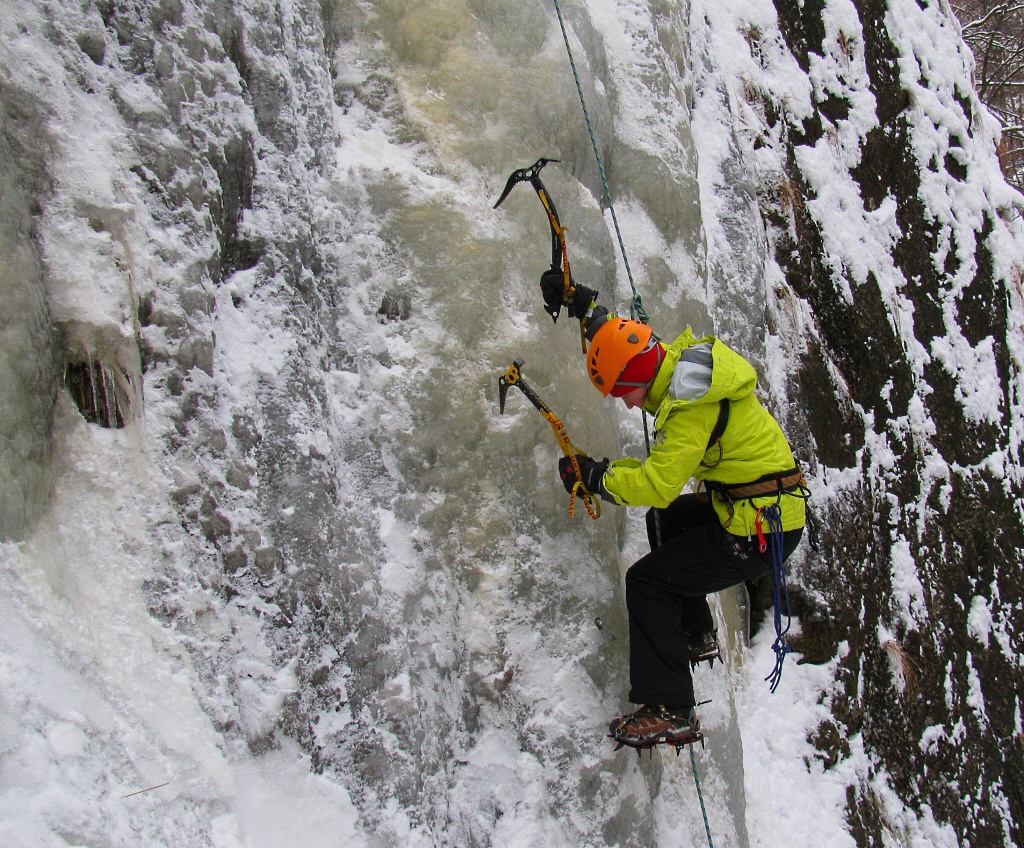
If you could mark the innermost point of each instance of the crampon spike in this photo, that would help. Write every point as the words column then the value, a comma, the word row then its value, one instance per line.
column 619, row 745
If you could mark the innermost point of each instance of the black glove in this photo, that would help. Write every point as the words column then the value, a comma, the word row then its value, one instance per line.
column 552, row 286
column 591, row 470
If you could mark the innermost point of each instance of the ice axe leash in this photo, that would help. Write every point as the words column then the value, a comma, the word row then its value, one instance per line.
column 514, row 377
column 559, row 254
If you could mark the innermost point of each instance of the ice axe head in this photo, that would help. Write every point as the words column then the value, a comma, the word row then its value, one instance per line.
column 523, row 175
column 509, row 378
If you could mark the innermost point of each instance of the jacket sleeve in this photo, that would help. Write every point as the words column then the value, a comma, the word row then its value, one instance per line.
column 679, row 446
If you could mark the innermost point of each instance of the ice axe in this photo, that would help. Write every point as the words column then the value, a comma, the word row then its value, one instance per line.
column 514, row 377
column 559, row 256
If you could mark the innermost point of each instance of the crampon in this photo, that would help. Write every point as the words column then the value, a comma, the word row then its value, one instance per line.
column 704, row 649
column 651, row 726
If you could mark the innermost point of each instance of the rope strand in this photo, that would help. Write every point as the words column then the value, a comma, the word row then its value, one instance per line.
column 636, row 305
column 700, row 795
column 637, row 312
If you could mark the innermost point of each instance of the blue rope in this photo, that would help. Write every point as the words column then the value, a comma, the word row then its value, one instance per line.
column 636, row 305
column 774, row 516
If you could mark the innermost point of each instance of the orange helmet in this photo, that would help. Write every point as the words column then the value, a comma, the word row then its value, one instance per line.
column 616, row 342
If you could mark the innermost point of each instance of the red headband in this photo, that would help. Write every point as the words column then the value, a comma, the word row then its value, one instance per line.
column 640, row 370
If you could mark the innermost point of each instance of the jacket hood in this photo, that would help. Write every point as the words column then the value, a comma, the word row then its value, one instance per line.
column 732, row 377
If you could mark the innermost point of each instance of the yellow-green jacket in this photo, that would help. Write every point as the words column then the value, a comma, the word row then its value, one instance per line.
column 752, row 446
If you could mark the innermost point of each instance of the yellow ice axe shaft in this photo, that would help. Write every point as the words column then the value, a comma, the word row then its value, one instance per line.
column 514, row 377
column 559, row 252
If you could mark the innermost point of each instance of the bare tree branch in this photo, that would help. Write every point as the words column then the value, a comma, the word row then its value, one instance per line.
column 995, row 34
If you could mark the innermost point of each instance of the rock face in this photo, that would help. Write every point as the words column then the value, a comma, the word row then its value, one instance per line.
column 910, row 383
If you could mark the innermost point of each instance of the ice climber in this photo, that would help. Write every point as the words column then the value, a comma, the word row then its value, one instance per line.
column 709, row 425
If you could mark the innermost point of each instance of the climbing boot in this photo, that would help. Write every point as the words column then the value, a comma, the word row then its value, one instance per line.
column 656, row 725
column 704, row 648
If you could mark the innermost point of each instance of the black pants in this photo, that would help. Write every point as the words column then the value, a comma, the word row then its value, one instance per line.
column 666, row 593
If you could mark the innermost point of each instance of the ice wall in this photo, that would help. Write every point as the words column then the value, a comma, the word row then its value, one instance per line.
column 73, row 246
column 276, row 218
column 28, row 364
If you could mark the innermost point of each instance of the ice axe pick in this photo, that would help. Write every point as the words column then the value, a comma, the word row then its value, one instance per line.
column 514, row 377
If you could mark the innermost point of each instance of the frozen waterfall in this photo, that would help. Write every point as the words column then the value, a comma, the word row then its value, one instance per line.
column 316, row 591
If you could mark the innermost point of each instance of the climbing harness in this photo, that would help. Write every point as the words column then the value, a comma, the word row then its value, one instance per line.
column 514, row 377
column 790, row 482
column 793, row 484
column 779, row 483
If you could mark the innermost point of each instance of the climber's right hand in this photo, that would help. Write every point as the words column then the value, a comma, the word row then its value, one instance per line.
column 552, row 286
